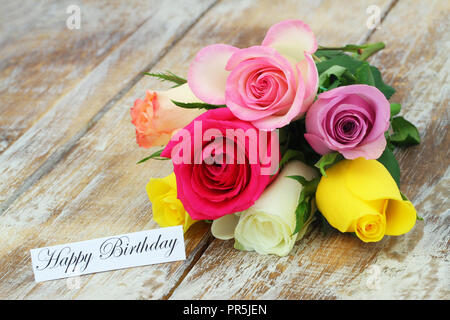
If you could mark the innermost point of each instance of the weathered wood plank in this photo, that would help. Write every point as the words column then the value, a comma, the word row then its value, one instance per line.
column 42, row 59
column 96, row 190
column 413, row 266
column 62, row 79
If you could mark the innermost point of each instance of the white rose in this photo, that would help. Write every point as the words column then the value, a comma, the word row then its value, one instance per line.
column 268, row 226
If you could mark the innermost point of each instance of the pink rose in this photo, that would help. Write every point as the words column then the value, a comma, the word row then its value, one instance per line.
column 211, row 189
column 269, row 85
column 156, row 117
column 351, row 120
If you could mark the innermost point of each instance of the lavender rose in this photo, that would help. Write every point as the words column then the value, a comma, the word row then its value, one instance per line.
column 351, row 120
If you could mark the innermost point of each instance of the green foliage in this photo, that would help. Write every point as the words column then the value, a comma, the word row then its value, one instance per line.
column 364, row 75
column 395, row 109
column 388, row 160
column 291, row 154
column 333, row 77
column 405, row 133
column 197, row 105
column 357, row 71
column 296, row 141
column 343, row 60
column 304, row 208
column 327, row 161
column 155, row 156
column 168, row 76
column 386, row 89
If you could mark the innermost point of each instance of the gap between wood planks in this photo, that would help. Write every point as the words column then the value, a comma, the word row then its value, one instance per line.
column 197, row 256
column 59, row 154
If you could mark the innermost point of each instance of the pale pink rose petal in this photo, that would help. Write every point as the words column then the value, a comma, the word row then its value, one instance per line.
column 317, row 144
column 207, row 75
column 311, row 78
column 275, row 57
column 371, row 150
column 291, row 38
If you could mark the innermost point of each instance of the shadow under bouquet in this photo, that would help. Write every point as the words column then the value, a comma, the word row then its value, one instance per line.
column 264, row 140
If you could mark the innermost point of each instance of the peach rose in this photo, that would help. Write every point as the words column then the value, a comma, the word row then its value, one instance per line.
column 156, row 117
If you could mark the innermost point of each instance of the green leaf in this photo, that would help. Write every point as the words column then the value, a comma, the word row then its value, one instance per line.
column 304, row 207
column 328, row 54
column 364, row 74
column 331, row 75
column 388, row 160
column 388, row 142
column 309, row 186
column 301, row 214
column 168, row 76
column 334, row 77
column 386, row 89
column 348, row 47
column 327, row 161
column 404, row 197
column 405, row 133
column 352, row 65
column 395, row 108
column 155, row 156
column 343, row 60
column 197, row 105
column 300, row 179
column 291, row 154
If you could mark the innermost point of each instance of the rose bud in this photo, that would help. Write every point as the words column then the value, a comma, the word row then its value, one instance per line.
column 361, row 196
column 156, row 118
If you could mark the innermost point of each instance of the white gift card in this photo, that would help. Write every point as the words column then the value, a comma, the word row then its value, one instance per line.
column 109, row 253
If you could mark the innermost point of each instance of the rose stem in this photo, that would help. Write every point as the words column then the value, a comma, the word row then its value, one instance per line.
column 362, row 52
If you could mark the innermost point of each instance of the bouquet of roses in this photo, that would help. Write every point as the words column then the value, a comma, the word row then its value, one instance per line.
column 266, row 139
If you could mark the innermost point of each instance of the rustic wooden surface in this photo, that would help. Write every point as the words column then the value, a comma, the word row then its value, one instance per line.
column 67, row 149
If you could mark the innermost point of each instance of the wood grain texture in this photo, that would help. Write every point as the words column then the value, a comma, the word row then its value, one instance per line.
column 337, row 266
column 86, row 89
column 42, row 59
column 96, row 190
column 103, row 192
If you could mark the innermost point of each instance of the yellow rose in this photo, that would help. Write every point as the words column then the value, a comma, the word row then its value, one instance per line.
column 361, row 196
column 167, row 208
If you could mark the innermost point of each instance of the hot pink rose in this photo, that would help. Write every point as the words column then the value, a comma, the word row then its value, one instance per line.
column 351, row 120
column 269, row 85
column 211, row 189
